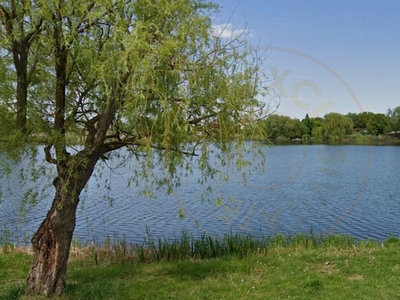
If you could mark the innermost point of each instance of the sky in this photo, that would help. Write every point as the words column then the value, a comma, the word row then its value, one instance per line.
column 323, row 56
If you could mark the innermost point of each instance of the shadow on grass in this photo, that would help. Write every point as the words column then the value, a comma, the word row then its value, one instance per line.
column 95, row 289
column 14, row 292
column 197, row 270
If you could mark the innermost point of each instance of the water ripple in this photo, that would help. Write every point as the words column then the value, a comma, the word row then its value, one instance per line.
column 343, row 189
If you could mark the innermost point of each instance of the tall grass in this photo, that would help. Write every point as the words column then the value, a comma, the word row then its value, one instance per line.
column 204, row 247
column 186, row 246
column 5, row 239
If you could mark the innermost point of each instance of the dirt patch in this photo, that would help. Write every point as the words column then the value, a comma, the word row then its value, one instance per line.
column 356, row 277
column 328, row 268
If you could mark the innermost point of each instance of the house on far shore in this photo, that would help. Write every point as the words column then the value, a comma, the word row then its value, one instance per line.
column 395, row 134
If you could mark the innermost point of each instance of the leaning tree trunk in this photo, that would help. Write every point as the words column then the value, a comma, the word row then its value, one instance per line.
column 51, row 244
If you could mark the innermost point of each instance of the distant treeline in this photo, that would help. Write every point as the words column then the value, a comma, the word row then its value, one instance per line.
column 333, row 126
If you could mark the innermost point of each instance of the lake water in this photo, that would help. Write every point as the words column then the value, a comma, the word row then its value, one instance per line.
column 342, row 189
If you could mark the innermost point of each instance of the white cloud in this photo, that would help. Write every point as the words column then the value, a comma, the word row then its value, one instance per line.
column 228, row 31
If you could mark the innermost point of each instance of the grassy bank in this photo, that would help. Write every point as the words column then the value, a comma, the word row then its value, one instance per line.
column 233, row 267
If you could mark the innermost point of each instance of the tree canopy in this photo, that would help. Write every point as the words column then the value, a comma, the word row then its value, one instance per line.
column 336, row 126
column 332, row 126
column 394, row 116
column 379, row 124
column 282, row 126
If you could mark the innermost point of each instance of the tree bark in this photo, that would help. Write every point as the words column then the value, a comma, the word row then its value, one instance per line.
column 51, row 245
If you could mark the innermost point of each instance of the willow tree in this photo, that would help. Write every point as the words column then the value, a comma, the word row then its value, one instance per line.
column 150, row 76
column 336, row 126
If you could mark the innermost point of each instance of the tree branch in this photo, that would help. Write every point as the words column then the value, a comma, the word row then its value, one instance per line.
column 198, row 120
column 48, row 156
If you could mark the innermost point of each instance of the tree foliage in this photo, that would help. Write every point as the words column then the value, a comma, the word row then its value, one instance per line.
column 148, row 76
column 394, row 116
column 295, row 129
column 162, row 75
column 333, row 125
column 282, row 126
column 360, row 120
column 308, row 123
column 336, row 126
column 21, row 23
column 317, row 128
column 379, row 124
column 275, row 126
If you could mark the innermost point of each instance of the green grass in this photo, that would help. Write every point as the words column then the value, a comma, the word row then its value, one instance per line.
column 233, row 267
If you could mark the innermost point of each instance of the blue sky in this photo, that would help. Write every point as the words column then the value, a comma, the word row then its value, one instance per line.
column 324, row 56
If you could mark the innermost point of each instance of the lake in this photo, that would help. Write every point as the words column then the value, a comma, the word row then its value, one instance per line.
column 329, row 188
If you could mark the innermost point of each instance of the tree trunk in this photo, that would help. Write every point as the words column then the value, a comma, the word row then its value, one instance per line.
column 22, row 90
column 51, row 244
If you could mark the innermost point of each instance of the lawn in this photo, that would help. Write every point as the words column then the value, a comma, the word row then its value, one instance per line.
column 366, row 270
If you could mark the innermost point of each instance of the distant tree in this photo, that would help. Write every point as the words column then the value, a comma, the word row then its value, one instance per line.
column 364, row 118
column 295, row 129
column 394, row 116
column 360, row 120
column 284, row 126
column 308, row 123
column 336, row 126
column 379, row 124
column 318, row 119
column 317, row 130
column 357, row 123
column 275, row 126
